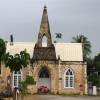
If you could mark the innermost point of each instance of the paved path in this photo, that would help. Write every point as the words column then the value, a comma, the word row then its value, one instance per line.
column 56, row 97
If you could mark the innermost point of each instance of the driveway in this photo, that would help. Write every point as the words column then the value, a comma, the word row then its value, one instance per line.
column 57, row 97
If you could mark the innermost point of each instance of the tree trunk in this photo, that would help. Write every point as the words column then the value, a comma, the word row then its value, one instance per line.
column 0, row 66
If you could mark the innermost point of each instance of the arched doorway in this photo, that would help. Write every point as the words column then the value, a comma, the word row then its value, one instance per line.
column 44, row 78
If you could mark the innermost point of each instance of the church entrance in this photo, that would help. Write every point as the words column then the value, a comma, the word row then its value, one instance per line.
column 44, row 80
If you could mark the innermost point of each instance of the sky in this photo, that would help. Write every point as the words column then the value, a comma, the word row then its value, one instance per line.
column 70, row 17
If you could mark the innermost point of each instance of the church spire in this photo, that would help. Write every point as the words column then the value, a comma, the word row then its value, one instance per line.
column 40, row 52
column 44, row 29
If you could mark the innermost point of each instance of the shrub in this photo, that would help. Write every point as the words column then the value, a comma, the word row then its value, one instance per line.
column 29, row 81
column 94, row 78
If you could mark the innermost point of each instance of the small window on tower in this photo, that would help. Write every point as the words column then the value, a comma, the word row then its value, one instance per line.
column 44, row 41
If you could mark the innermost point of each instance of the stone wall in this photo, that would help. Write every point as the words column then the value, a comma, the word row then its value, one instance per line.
column 31, row 89
column 57, row 85
column 79, row 78
column 5, row 72
column 53, row 69
column 57, row 82
column 2, row 84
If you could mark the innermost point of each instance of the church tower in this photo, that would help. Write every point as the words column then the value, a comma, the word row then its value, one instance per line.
column 40, row 52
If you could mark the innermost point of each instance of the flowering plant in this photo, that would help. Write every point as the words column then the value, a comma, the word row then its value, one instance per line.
column 43, row 89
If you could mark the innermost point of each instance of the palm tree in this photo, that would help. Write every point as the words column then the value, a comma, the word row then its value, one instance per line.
column 85, row 44
column 2, row 50
column 58, row 36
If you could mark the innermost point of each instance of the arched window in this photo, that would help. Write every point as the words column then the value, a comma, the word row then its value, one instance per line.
column 17, row 77
column 69, row 78
column 44, row 41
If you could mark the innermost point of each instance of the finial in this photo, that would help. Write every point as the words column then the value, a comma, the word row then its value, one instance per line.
column 45, row 7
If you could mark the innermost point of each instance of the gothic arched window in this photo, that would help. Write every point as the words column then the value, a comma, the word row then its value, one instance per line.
column 69, row 78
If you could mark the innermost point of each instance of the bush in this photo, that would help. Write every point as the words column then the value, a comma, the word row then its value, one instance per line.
column 29, row 81
column 94, row 78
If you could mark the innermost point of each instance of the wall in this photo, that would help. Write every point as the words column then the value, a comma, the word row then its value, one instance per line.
column 5, row 72
column 79, row 78
column 53, row 69
column 57, row 83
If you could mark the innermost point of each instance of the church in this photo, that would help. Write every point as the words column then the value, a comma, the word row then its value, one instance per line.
column 58, row 66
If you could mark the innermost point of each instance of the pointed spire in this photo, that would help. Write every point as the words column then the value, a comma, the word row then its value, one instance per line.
column 44, row 27
column 40, row 52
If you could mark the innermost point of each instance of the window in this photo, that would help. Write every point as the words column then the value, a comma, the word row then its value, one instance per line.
column 44, row 41
column 17, row 77
column 68, row 79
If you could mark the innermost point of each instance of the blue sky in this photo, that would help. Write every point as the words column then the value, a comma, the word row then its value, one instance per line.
column 70, row 17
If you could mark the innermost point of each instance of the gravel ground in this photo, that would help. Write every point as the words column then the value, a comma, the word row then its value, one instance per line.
column 56, row 97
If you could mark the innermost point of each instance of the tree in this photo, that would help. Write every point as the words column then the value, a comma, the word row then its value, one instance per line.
column 86, row 45
column 17, row 61
column 90, row 66
column 2, row 50
column 58, row 36
column 94, row 70
column 97, row 62
column 94, row 78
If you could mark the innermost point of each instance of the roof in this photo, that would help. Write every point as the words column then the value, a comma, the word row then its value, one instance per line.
column 66, row 51
column 69, row 51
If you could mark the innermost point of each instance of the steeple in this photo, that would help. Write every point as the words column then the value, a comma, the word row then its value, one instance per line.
column 44, row 29
column 40, row 52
